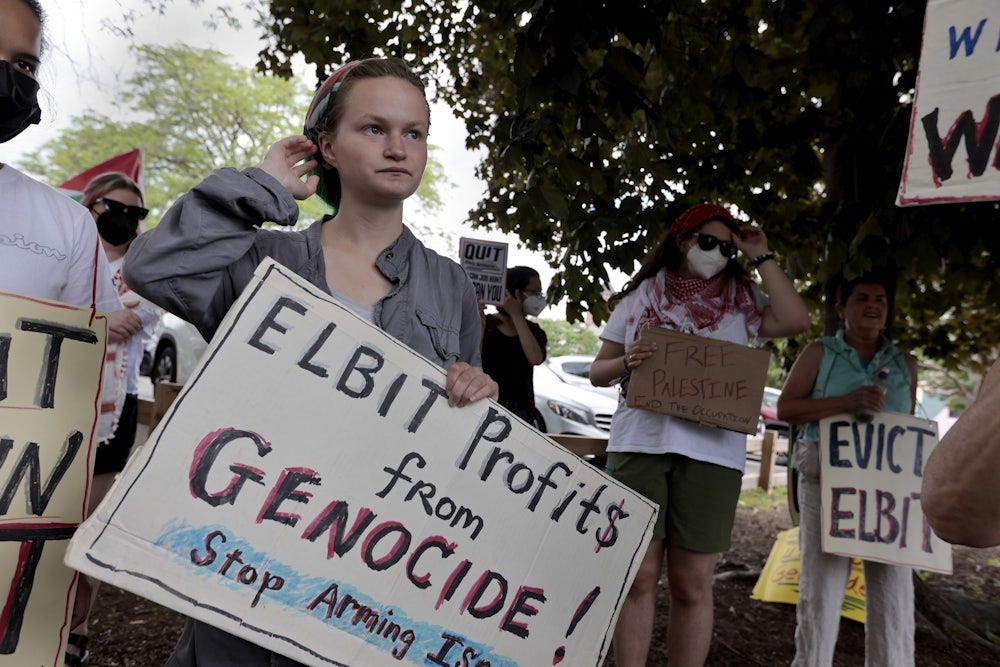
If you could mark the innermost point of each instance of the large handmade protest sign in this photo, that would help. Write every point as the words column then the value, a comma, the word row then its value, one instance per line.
column 51, row 358
column 311, row 491
column 951, row 154
column 700, row 379
column 486, row 264
column 870, row 473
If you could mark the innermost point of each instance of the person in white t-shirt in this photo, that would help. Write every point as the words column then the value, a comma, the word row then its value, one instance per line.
column 691, row 282
column 48, row 242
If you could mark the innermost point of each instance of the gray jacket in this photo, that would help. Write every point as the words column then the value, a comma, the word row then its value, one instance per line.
column 203, row 253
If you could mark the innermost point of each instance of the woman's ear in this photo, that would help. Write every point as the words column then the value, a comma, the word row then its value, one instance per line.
column 325, row 142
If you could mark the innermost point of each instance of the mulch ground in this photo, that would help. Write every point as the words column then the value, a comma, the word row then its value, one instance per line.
column 130, row 631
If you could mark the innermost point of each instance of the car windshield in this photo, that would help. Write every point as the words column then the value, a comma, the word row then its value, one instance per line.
column 578, row 368
column 548, row 373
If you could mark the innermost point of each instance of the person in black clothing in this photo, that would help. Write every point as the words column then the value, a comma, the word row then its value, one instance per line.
column 513, row 346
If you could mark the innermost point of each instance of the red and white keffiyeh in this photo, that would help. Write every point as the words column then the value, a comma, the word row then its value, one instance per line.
column 114, row 383
column 692, row 304
column 112, row 392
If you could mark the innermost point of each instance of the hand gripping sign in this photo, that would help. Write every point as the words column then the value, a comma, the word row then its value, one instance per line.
column 870, row 475
column 311, row 491
column 51, row 359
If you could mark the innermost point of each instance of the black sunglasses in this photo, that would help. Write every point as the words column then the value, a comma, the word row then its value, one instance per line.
column 707, row 242
column 135, row 213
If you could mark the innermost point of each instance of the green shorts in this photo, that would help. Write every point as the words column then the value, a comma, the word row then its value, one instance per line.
column 697, row 500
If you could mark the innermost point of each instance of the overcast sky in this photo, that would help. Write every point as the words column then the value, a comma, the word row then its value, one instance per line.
column 86, row 63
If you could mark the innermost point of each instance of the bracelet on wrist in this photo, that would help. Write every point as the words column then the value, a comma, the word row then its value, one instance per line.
column 760, row 259
column 625, row 363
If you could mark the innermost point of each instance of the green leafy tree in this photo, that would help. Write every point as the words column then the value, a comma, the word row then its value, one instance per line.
column 193, row 111
column 603, row 121
column 569, row 338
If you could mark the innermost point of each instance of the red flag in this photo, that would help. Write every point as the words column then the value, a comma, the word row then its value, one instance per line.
column 128, row 163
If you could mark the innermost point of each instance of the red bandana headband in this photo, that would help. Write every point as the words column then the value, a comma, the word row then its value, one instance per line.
column 323, row 99
column 697, row 215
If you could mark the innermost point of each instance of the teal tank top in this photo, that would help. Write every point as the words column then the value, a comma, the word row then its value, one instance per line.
column 840, row 372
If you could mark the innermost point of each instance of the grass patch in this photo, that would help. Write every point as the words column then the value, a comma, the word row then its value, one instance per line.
column 759, row 499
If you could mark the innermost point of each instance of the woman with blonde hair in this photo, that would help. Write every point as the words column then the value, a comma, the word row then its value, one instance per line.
column 366, row 142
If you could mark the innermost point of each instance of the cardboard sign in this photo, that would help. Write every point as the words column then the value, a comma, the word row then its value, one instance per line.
column 486, row 264
column 779, row 580
column 51, row 359
column 311, row 491
column 870, row 475
column 951, row 154
column 700, row 379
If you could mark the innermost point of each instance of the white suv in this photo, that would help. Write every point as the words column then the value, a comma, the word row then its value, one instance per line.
column 575, row 370
column 570, row 408
column 178, row 349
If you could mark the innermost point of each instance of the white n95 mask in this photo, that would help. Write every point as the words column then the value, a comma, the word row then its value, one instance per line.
column 533, row 305
column 706, row 264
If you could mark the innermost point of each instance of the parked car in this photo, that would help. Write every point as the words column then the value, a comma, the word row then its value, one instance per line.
column 769, row 413
column 178, row 349
column 575, row 370
column 568, row 408
column 562, row 407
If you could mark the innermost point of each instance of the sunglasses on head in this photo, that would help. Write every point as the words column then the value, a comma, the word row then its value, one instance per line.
column 135, row 213
column 707, row 242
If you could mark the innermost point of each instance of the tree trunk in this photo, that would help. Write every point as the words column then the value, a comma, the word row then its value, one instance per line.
column 959, row 617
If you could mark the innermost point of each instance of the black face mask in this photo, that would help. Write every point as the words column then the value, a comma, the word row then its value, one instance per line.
column 18, row 102
column 116, row 228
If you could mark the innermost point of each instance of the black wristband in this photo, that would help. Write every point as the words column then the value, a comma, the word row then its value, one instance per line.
column 760, row 259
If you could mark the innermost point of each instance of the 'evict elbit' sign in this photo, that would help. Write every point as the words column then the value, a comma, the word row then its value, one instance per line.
column 870, row 478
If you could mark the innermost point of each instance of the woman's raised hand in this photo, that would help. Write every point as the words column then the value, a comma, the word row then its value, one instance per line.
column 752, row 241
column 512, row 306
column 283, row 163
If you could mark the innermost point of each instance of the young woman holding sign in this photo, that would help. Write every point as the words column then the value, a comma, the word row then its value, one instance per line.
column 856, row 371
column 690, row 282
column 366, row 135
